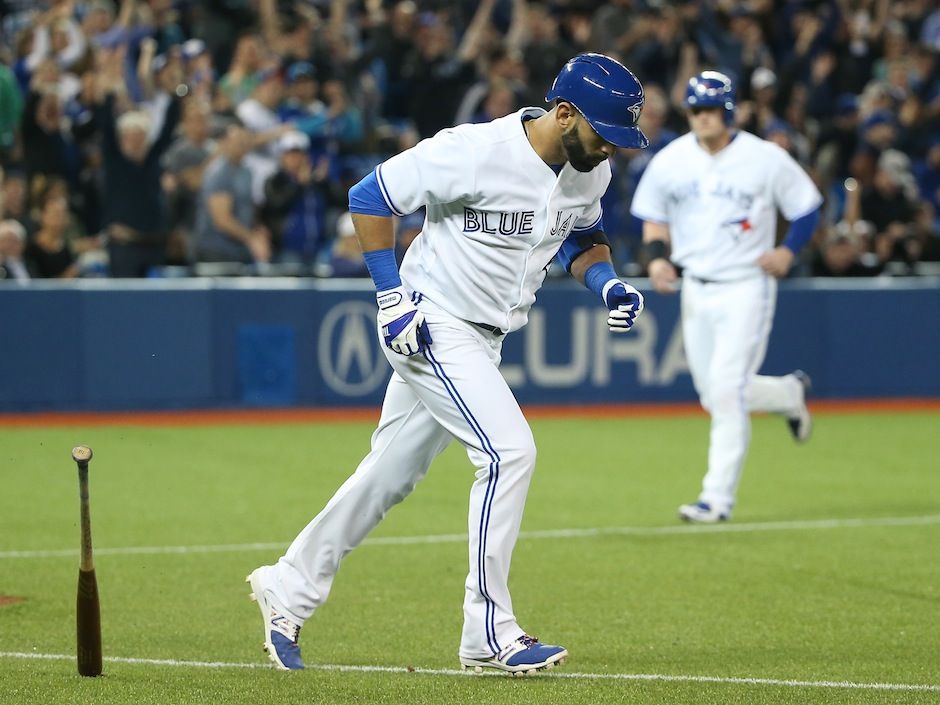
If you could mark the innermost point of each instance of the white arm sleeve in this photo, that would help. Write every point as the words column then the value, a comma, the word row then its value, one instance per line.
column 649, row 199
column 794, row 192
column 440, row 169
column 591, row 219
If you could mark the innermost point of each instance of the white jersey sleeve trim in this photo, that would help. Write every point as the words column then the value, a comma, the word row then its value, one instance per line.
column 592, row 226
column 385, row 195
column 818, row 205
column 650, row 218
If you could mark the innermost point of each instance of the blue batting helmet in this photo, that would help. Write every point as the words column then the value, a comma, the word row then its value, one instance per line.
column 711, row 89
column 607, row 94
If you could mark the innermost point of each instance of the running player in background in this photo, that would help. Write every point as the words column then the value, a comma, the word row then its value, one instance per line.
column 503, row 199
column 709, row 203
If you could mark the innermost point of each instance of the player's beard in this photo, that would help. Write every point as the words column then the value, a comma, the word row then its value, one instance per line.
column 577, row 155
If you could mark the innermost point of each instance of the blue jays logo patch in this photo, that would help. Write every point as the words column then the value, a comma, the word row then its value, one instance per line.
column 635, row 111
column 737, row 227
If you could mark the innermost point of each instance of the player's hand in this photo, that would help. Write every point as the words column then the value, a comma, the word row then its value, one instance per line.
column 663, row 276
column 624, row 303
column 777, row 262
column 403, row 327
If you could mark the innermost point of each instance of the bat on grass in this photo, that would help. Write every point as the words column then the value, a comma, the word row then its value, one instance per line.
column 88, row 609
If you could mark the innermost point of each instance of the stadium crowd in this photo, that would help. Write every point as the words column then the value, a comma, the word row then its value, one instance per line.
column 175, row 137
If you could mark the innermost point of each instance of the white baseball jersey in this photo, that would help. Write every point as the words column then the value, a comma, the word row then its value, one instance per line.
column 722, row 209
column 496, row 216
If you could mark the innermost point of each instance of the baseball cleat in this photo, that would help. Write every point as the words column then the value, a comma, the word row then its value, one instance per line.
column 801, row 425
column 703, row 513
column 523, row 657
column 280, row 632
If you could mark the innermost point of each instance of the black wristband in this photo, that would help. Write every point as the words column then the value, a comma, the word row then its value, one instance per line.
column 654, row 249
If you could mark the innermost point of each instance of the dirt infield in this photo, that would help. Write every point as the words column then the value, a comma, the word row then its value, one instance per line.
column 215, row 417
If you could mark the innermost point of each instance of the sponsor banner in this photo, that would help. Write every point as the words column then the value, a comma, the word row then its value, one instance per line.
column 209, row 344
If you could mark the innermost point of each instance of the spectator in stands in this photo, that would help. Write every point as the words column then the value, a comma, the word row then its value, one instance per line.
column 761, row 111
column 164, row 22
column 544, row 47
column 334, row 126
column 12, row 244
column 200, row 73
column 11, row 108
column 47, row 143
column 838, row 139
column 243, row 75
column 344, row 120
column 48, row 254
column 499, row 102
column 99, row 17
column 505, row 70
column 57, row 36
column 301, row 94
column 225, row 215
column 135, row 213
column 294, row 207
column 105, row 30
column 73, row 232
column 390, row 46
column 440, row 74
column 184, row 164
column 291, row 35
column 158, row 77
column 258, row 114
column 927, row 173
column 843, row 252
column 366, row 80
column 13, row 197
column 890, row 205
column 194, row 137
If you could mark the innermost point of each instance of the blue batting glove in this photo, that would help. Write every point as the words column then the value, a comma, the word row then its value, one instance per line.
column 624, row 303
column 403, row 327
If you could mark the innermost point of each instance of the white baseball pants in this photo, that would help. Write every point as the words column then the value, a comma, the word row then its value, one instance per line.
column 455, row 390
column 725, row 327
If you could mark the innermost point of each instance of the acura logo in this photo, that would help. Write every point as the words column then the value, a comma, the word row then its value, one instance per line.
column 349, row 355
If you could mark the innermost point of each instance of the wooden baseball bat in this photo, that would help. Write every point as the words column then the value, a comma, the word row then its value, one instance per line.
column 88, row 609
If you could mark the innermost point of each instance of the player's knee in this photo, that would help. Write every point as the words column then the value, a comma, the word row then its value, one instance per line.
column 521, row 453
column 726, row 399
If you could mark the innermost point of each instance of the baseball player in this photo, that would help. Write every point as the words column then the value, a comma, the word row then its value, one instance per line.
column 502, row 200
column 709, row 203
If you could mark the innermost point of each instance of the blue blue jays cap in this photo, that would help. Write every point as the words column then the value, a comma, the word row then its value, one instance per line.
column 711, row 89
column 607, row 94
column 301, row 70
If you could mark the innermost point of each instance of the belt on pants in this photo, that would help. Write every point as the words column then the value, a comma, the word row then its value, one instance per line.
column 700, row 280
column 491, row 329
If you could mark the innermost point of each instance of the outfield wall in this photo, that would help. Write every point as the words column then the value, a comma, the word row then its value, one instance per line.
column 164, row 344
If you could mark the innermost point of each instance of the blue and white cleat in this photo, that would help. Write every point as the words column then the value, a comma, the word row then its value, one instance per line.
column 703, row 513
column 523, row 657
column 801, row 425
column 280, row 631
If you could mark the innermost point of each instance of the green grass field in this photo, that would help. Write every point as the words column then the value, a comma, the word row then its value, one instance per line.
column 829, row 572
